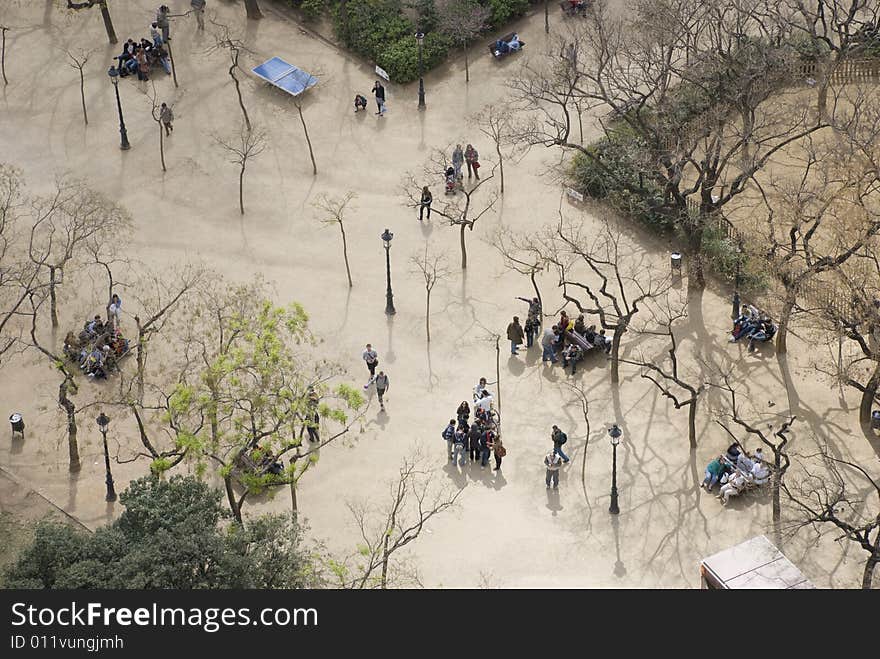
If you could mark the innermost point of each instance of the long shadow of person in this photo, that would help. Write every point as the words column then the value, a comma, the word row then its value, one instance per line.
column 553, row 504
column 515, row 366
column 459, row 478
column 499, row 481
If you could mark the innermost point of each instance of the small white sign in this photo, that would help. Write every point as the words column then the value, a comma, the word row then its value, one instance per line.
column 382, row 73
column 574, row 194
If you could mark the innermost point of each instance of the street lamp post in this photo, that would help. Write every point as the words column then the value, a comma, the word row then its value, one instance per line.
column 615, row 434
column 103, row 421
column 420, row 39
column 389, row 296
column 113, row 72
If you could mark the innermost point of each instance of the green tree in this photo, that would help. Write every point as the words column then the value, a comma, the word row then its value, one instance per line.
column 170, row 536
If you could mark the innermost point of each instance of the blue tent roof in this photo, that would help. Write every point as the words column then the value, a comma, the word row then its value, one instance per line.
column 285, row 76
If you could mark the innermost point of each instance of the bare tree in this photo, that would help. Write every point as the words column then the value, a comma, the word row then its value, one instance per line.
column 432, row 267
column 78, row 61
column 666, row 379
column 333, row 212
column 827, row 499
column 243, row 147
column 459, row 210
column 386, row 529
column 64, row 224
column 495, row 123
column 156, row 113
column 223, row 41
column 520, row 255
column 298, row 104
column 462, row 21
column 105, row 14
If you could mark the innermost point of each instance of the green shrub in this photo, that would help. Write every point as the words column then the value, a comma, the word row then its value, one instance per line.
column 311, row 9
column 505, row 10
column 426, row 10
column 372, row 25
column 401, row 58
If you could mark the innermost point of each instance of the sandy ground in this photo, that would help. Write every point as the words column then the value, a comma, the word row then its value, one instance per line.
column 535, row 538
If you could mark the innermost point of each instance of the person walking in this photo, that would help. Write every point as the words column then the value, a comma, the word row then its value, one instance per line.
column 500, row 452
column 162, row 22
column 471, row 157
column 559, row 438
column 552, row 463
column 449, row 435
column 515, row 335
column 166, row 116
column 199, row 8
column 547, row 341
column 425, row 202
column 381, row 388
column 371, row 357
column 457, row 161
column 379, row 92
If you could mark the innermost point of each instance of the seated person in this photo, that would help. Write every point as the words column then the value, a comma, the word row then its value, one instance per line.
column 764, row 332
column 590, row 334
column 514, row 44
column 714, row 471
column 579, row 325
column 733, row 487
column 360, row 102
column 602, row 341
column 160, row 55
column 572, row 355
column 760, row 473
column 501, row 47
column 733, row 452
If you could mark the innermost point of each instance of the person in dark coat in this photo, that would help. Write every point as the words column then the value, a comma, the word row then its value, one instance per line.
column 515, row 334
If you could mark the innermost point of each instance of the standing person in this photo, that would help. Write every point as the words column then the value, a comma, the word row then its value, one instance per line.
column 113, row 311
column 515, row 335
column 552, row 463
column 500, row 452
column 449, row 435
column 471, row 157
column 425, row 202
column 457, row 161
column 381, row 388
column 559, row 438
column 534, row 309
column 379, row 91
column 474, row 441
column 463, row 412
column 530, row 331
column 166, row 116
column 460, row 446
column 313, row 418
column 162, row 22
column 199, row 7
column 487, row 443
column 143, row 69
column 371, row 357
column 547, row 341
column 155, row 35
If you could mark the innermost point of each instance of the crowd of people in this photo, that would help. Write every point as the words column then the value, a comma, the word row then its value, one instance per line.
column 754, row 325
column 477, row 439
column 141, row 58
column 99, row 346
column 736, row 471
column 570, row 339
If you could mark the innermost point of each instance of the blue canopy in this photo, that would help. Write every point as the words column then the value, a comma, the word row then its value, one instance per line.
column 285, row 76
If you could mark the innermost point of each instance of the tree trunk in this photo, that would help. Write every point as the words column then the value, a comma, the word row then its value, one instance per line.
column 869, row 395
column 498, row 371
column 776, row 504
column 241, row 189
column 230, row 497
column 252, row 7
column 581, row 122
column 53, row 300
column 615, row 354
column 385, row 556
column 467, row 72
column 868, row 574
column 82, row 93
column 3, row 54
column 162, row 145
column 70, row 410
column 692, row 424
column 428, row 315
column 247, row 119
column 108, row 23
column 294, row 505
column 537, row 292
column 546, row 17
column 345, row 254
column 784, row 318
column 140, row 355
column 308, row 141
column 747, row 127
column 463, row 249
column 500, row 163
column 824, row 70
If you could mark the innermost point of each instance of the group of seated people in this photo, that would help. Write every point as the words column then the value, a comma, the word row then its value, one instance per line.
column 576, row 5
column 736, row 471
column 263, row 460
column 753, row 324
column 141, row 58
column 575, row 339
column 502, row 47
column 97, row 349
